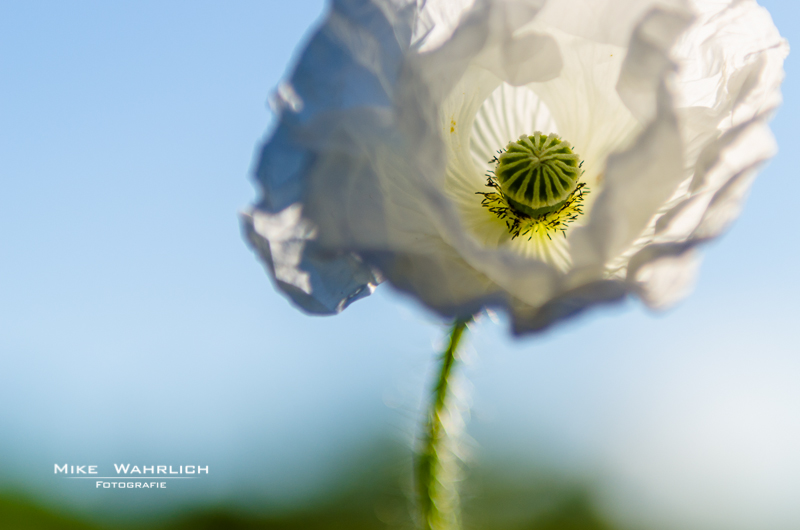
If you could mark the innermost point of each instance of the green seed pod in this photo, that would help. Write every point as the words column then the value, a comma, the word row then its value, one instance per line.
column 537, row 173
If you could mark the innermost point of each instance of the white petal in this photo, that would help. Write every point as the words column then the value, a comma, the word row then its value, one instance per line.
column 318, row 281
column 353, row 60
column 392, row 110
column 603, row 21
column 664, row 274
column 640, row 180
column 731, row 68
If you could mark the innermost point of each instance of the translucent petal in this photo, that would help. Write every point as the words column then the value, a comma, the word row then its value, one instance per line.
column 395, row 108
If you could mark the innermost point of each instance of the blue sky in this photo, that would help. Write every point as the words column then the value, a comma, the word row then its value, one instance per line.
column 136, row 324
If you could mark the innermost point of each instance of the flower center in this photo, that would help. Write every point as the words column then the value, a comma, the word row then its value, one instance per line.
column 535, row 187
column 538, row 173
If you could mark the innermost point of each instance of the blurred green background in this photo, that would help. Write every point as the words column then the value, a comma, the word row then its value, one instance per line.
column 376, row 497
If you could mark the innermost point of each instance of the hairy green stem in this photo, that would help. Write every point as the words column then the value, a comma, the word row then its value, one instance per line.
column 437, row 465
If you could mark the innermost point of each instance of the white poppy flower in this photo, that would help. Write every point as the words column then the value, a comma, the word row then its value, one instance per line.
column 540, row 156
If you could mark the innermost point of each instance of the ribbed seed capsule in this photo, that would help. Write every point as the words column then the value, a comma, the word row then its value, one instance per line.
column 538, row 173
